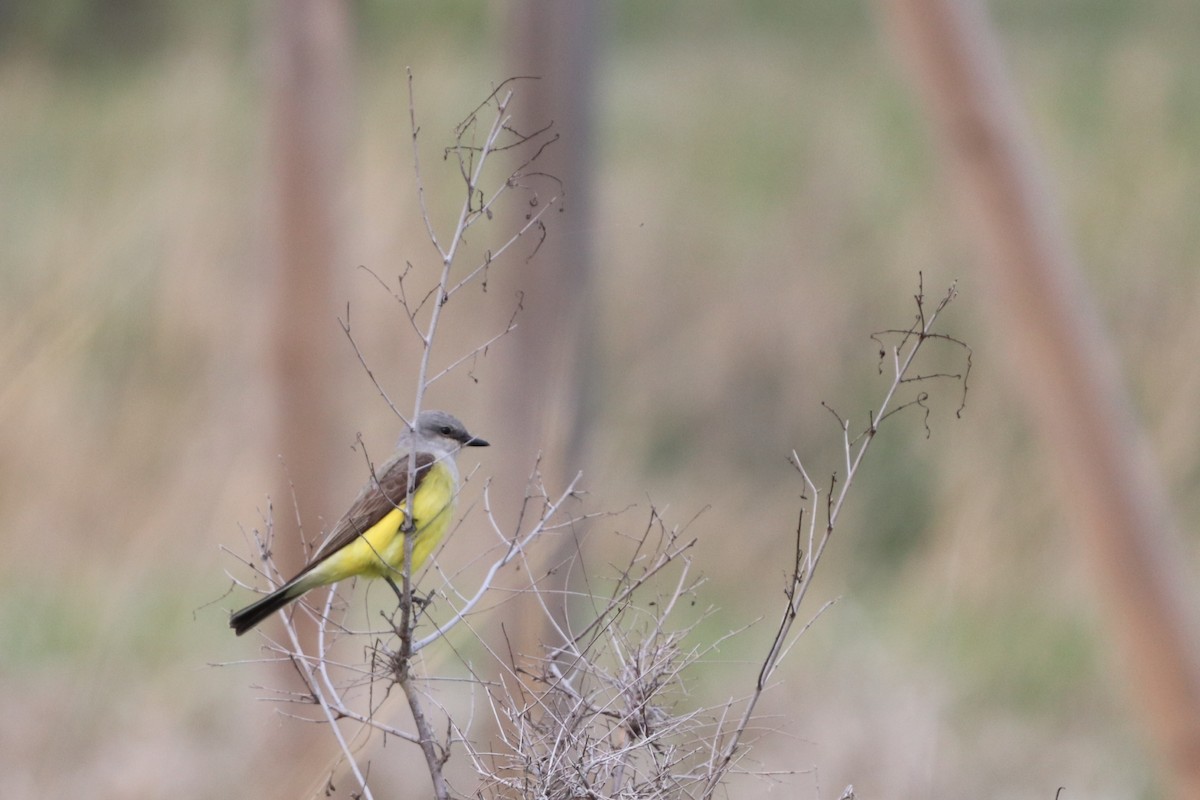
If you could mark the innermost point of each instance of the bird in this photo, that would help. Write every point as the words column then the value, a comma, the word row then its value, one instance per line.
column 369, row 538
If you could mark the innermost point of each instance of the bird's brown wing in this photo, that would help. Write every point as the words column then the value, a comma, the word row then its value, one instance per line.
column 374, row 502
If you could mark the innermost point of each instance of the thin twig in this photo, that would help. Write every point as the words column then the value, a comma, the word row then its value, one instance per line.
column 854, row 450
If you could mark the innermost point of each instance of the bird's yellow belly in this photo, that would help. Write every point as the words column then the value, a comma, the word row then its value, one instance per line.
column 383, row 544
column 379, row 551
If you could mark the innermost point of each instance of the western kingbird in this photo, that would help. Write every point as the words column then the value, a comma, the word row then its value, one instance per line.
column 369, row 539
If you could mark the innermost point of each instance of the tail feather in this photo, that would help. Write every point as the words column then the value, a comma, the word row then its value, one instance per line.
column 251, row 615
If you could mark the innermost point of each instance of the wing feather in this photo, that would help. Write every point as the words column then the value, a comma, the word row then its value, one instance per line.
column 376, row 500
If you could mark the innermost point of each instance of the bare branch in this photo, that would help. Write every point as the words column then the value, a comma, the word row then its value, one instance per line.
column 808, row 546
column 335, row 686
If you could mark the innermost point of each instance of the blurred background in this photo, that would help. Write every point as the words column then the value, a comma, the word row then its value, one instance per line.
column 761, row 195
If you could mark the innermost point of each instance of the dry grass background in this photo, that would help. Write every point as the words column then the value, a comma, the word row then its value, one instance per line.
column 766, row 199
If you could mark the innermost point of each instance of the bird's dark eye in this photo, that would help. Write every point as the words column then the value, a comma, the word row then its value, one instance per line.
column 445, row 430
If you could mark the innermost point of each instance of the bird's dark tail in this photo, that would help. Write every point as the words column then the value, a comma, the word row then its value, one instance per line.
column 251, row 615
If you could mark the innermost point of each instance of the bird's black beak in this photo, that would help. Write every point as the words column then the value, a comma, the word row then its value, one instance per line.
column 475, row 441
